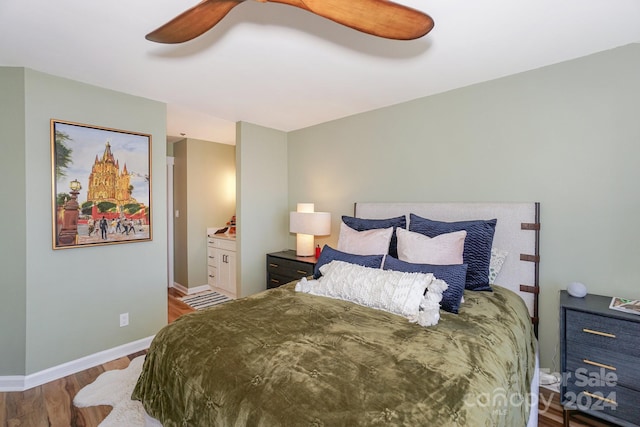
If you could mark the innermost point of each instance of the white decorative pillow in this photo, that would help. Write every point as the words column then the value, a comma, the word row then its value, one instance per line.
column 445, row 249
column 495, row 265
column 368, row 242
column 393, row 291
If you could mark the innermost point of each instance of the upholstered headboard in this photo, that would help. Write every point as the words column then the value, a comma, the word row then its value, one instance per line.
column 517, row 232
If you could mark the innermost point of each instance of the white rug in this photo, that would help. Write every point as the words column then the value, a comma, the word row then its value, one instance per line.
column 205, row 299
column 114, row 388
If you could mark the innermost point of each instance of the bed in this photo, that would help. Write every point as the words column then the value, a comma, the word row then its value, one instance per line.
column 293, row 356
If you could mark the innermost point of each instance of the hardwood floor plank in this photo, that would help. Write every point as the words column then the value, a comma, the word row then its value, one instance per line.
column 3, row 411
column 176, row 307
column 551, row 415
column 58, row 402
column 120, row 363
column 27, row 409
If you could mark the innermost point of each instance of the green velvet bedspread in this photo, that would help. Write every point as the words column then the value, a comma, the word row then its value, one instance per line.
column 283, row 358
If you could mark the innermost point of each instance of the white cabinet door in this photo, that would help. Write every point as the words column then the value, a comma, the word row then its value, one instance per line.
column 227, row 271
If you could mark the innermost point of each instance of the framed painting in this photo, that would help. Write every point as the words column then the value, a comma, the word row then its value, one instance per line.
column 101, row 185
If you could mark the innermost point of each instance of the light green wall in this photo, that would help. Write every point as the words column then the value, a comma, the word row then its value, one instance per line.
column 70, row 300
column 566, row 135
column 205, row 194
column 263, row 218
column 13, row 224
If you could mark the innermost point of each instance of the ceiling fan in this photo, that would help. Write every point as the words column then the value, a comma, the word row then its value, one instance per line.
column 380, row 18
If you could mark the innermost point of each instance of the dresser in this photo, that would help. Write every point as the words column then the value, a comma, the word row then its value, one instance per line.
column 284, row 267
column 600, row 360
column 221, row 264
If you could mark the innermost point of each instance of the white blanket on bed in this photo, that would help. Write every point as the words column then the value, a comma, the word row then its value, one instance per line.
column 393, row 291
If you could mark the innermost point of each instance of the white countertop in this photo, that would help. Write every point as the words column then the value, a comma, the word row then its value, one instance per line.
column 211, row 233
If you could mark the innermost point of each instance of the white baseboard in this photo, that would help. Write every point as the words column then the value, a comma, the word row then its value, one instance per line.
column 191, row 291
column 12, row 383
column 25, row 382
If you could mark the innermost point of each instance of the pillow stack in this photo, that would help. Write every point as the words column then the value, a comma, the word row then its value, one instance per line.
column 458, row 253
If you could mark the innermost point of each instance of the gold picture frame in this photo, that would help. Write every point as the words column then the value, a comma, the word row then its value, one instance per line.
column 100, row 185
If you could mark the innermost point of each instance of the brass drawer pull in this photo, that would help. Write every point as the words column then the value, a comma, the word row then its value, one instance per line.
column 301, row 271
column 595, row 396
column 273, row 265
column 275, row 281
column 603, row 334
column 600, row 365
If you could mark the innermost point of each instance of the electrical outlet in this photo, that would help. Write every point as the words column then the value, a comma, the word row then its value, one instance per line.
column 124, row 319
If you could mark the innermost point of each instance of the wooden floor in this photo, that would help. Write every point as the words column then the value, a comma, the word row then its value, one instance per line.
column 51, row 404
column 550, row 414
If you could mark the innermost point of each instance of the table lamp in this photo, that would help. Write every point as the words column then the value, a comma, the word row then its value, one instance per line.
column 308, row 224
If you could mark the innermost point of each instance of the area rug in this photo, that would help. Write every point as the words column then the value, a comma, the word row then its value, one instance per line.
column 205, row 300
column 114, row 388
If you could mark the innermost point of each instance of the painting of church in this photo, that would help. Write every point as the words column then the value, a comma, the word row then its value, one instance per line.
column 108, row 184
column 108, row 172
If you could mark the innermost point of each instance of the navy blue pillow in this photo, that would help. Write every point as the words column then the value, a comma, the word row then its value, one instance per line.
column 477, row 245
column 329, row 254
column 454, row 275
column 363, row 224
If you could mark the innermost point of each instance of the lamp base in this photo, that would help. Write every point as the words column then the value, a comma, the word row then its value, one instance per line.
column 304, row 245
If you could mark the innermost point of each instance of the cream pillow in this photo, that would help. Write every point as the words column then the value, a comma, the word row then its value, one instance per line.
column 368, row 242
column 445, row 249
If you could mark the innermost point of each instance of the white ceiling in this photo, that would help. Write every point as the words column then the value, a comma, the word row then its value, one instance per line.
column 281, row 67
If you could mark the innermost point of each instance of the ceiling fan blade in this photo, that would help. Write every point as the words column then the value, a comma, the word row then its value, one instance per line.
column 193, row 22
column 380, row 18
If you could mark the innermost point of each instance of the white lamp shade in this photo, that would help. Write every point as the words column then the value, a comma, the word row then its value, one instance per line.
column 314, row 223
column 307, row 224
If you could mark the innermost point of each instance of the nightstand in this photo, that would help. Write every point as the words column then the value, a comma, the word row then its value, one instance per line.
column 600, row 360
column 284, row 267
